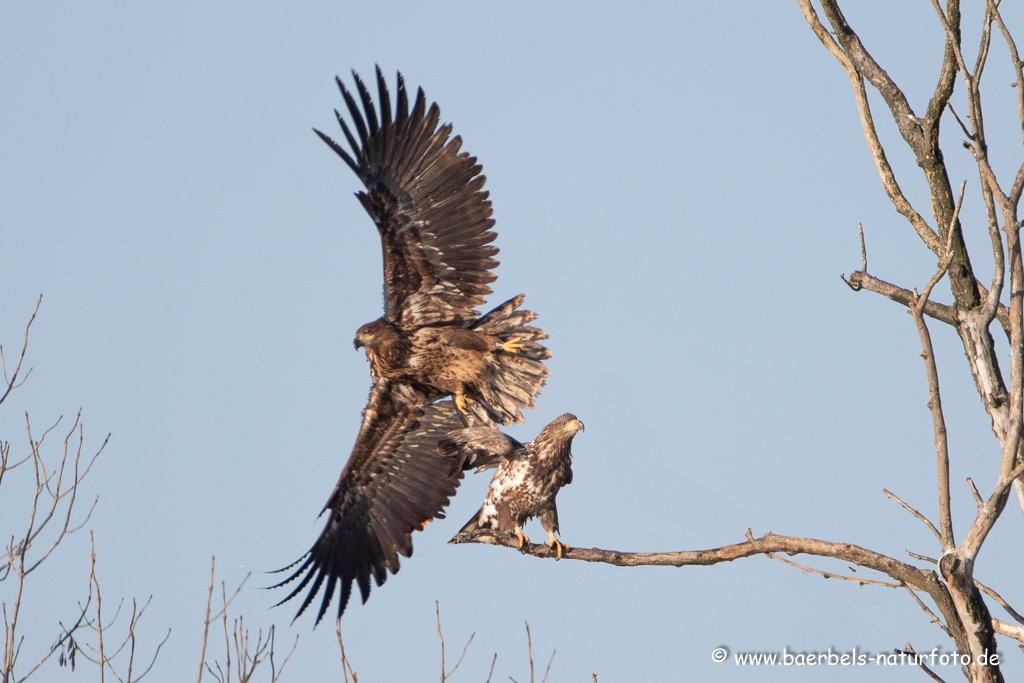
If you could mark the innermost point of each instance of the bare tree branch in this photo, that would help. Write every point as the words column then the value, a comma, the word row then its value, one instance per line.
column 975, row 308
column 769, row 543
column 529, row 650
column 885, row 171
column 932, row 616
column 11, row 382
column 52, row 490
column 248, row 654
column 998, row 598
column 445, row 676
column 825, row 574
column 1014, row 631
column 862, row 280
column 914, row 512
column 934, row 395
column 548, row 668
column 346, row 668
column 920, row 662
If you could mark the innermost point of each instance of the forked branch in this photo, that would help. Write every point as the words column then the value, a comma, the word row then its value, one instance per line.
column 11, row 381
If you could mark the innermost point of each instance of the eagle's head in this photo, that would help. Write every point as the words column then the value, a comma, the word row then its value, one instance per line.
column 562, row 429
column 569, row 423
column 372, row 334
column 555, row 440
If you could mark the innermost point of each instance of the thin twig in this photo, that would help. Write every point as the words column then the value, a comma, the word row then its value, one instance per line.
column 1018, row 68
column 863, row 249
column 974, row 492
column 223, row 615
column 989, row 512
column 491, row 672
column 275, row 671
column 346, row 668
column 934, row 618
column 155, row 655
column 12, row 381
column 827, row 575
column 444, row 676
column 832, row 575
column 923, row 558
column 99, row 602
column 437, row 608
column 207, row 620
column 545, row 678
column 462, row 656
column 968, row 133
column 914, row 512
column 529, row 649
column 931, row 369
column 999, row 599
column 920, row 663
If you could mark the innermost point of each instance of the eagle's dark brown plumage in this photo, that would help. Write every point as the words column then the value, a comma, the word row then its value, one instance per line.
column 528, row 479
column 392, row 485
column 434, row 223
column 425, row 198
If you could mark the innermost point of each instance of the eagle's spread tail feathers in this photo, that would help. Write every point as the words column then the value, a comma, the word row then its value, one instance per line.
column 516, row 377
column 474, row 523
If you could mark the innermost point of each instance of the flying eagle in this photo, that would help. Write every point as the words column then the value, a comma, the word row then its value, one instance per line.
column 433, row 218
column 528, row 477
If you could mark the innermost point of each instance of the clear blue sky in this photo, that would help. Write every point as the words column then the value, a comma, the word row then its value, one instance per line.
column 677, row 189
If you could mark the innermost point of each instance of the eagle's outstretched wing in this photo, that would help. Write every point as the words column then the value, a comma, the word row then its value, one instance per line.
column 427, row 202
column 479, row 447
column 393, row 484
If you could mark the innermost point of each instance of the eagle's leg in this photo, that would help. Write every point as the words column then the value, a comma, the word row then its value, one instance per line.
column 513, row 345
column 462, row 402
column 555, row 543
column 521, row 536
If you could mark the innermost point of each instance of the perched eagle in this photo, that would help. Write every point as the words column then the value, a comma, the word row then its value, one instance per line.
column 425, row 199
column 528, row 477
column 433, row 218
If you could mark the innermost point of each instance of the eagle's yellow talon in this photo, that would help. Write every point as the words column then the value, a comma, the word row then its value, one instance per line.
column 522, row 537
column 555, row 543
column 462, row 402
column 513, row 345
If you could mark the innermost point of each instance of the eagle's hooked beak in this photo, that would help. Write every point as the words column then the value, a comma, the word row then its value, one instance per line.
column 574, row 426
column 357, row 344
